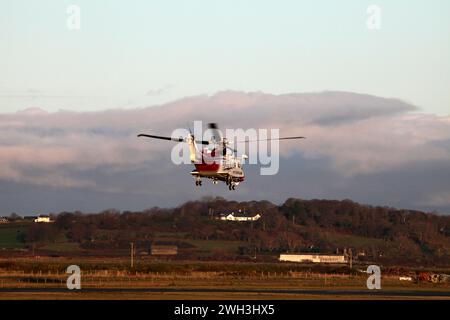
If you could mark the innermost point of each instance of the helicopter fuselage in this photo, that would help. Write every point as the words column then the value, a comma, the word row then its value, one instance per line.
column 218, row 168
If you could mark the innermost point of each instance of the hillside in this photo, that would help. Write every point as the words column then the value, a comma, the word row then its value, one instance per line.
column 379, row 234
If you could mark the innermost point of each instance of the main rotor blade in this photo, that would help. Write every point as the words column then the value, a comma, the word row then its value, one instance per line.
column 171, row 139
column 284, row 138
column 161, row 137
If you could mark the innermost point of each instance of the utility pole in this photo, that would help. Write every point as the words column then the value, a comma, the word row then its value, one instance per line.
column 132, row 254
column 351, row 258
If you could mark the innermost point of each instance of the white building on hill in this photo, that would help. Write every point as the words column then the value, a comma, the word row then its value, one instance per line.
column 313, row 258
column 240, row 218
column 43, row 219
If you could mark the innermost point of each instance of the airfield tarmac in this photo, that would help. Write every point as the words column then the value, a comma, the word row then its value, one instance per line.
column 213, row 294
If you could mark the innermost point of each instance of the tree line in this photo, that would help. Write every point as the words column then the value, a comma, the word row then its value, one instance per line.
column 297, row 225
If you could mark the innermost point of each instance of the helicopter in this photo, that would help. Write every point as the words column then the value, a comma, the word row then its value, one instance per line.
column 214, row 163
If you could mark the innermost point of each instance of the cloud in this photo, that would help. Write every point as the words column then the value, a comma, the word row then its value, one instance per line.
column 356, row 135
column 159, row 91
column 439, row 199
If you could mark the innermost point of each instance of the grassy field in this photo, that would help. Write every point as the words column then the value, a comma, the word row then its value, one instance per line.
column 209, row 286
column 191, row 280
column 171, row 278
column 200, row 245
column 62, row 246
column 10, row 235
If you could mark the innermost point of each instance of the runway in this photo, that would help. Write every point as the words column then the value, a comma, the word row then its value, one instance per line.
column 366, row 293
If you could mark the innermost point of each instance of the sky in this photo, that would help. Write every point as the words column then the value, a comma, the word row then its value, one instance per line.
column 149, row 52
column 374, row 103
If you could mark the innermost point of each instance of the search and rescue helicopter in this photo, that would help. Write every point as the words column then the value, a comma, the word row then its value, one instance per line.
column 214, row 163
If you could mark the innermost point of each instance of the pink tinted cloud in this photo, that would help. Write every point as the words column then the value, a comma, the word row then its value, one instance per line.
column 360, row 134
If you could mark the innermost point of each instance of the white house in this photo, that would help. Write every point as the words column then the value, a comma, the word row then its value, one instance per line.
column 405, row 278
column 233, row 217
column 314, row 258
column 43, row 219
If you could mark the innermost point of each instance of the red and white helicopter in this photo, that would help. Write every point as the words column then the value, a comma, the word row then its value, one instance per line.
column 214, row 163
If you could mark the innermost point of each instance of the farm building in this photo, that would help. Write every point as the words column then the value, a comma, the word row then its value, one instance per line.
column 241, row 218
column 313, row 258
column 43, row 219
column 163, row 250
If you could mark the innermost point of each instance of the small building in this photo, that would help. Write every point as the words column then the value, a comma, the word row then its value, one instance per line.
column 163, row 250
column 3, row 220
column 361, row 253
column 314, row 258
column 43, row 219
column 405, row 278
column 239, row 217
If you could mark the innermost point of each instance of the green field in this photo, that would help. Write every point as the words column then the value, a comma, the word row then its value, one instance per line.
column 201, row 245
column 10, row 235
column 61, row 247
